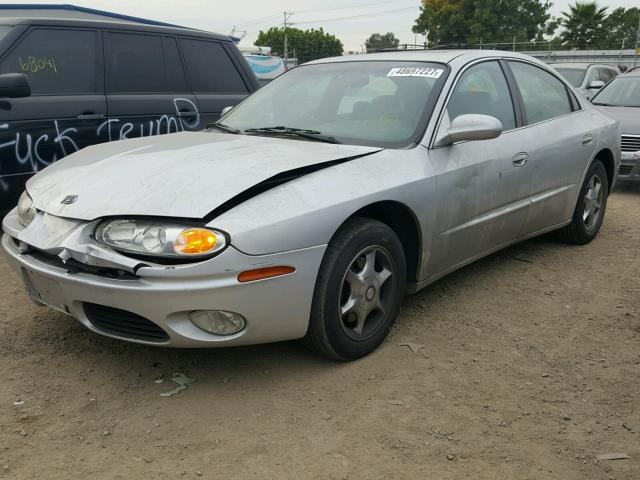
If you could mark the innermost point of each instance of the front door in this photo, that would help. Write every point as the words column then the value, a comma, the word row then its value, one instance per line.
column 483, row 186
column 65, row 109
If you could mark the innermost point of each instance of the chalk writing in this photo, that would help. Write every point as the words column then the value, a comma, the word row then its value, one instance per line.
column 38, row 152
column 35, row 65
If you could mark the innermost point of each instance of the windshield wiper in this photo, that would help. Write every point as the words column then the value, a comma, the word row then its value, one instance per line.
column 298, row 132
column 224, row 128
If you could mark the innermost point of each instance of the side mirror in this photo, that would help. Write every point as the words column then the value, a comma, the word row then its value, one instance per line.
column 471, row 127
column 226, row 110
column 14, row 85
column 596, row 84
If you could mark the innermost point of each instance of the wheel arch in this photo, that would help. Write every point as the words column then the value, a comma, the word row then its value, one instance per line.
column 403, row 221
column 606, row 157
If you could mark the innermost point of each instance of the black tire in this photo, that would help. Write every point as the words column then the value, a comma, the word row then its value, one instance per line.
column 581, row 231
column 334, row 334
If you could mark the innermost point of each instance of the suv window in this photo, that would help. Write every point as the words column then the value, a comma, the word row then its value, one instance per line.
column 140, row 63
column 544, row 96
column 483, row 89
column 57, row 62
column 606, row 74
column 210, row 68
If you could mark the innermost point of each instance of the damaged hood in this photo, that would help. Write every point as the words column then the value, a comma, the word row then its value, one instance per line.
column 184, row 175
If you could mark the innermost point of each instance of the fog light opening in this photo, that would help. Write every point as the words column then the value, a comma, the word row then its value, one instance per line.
column 218, row 322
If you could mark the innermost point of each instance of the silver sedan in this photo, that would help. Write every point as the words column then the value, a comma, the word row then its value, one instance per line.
column 311, row 208
column 620, row 99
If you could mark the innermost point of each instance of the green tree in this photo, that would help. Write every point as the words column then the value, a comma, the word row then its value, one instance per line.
column 473, row 21
column 305, row 45
column 622, row 27
column 377, row 41
column 584, row 26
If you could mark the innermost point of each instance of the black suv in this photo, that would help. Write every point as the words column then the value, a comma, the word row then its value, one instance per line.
column 68, row 84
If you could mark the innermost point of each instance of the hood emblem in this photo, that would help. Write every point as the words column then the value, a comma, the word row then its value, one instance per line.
column 69, row 199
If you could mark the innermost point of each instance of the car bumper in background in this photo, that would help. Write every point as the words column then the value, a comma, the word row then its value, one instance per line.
column 629, row 166
column 152, row 306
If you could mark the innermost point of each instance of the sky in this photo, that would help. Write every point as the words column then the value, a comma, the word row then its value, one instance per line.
column 350, row 20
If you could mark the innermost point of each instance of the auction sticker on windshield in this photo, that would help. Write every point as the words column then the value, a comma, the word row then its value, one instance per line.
column 426, row 72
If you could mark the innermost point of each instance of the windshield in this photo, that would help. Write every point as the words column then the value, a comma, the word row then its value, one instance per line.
column 574, row 76
column 620, row 92
column 384, row 104
column 4, row 29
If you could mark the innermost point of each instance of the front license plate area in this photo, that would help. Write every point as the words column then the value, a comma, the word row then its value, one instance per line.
column 44, row 290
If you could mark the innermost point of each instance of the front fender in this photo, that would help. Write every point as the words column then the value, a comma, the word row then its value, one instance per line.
column 306, row 212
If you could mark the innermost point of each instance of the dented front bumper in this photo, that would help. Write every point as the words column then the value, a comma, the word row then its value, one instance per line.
column 64, row 268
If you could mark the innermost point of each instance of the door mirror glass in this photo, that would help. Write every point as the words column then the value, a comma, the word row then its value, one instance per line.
column 471, row 127
column 14, row 85
column 226, row 110
column 596, row 84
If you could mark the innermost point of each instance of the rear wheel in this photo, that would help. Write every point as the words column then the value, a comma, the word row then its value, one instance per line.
column 358, row 292
column 591, row 207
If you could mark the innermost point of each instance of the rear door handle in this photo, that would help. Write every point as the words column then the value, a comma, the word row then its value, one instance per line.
column 90, row 116
column 187, row 113
column 520, row 159
column 587, row 139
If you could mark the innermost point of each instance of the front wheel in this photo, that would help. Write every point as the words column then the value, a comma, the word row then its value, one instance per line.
column 359, row 290
column 591, row 207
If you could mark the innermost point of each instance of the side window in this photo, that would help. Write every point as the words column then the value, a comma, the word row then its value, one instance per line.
column 57, row 62
column 483, row 89
column 544, row 96
column 136, row 64
column 210, row 68
column 606, row 74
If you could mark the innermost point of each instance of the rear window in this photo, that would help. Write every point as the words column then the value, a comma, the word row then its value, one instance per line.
column 139, row 63
column 210, row 68
column 57, row 62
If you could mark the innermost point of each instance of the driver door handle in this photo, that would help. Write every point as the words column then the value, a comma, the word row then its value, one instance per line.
column 520, row 159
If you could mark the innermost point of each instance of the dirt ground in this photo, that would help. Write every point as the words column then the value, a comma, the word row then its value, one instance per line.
column 526, row 366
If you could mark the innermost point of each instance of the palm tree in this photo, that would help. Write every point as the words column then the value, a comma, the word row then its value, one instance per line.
column 584, row 25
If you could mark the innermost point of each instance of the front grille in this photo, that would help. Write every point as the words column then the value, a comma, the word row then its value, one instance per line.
column 630, row 143
column 123, row 324
column 626, row 169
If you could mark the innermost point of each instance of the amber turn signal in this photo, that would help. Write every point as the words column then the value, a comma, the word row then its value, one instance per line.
column 195, row 241
column 263, row 273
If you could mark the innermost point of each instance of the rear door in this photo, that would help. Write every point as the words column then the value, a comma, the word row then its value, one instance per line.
column 215, row 76
column 147, row 90
column 65, row 109
column 560, row 139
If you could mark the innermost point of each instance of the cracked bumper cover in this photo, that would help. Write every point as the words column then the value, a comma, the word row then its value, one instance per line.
column 164, row 294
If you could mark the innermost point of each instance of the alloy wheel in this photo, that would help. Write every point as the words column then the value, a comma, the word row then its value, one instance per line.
column 593, row 202
column 366, row 293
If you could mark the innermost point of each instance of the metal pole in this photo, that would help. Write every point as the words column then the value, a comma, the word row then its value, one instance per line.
column 514, row 43
column 286, row 47
column 635, row 58
column 480, row 43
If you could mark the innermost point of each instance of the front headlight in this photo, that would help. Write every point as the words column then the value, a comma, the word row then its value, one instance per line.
column 156, row 238
column 26, row 209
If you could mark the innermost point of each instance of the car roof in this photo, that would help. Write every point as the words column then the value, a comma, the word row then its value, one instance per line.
column 580, row 65
column 108, row 24
column 436, row 56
